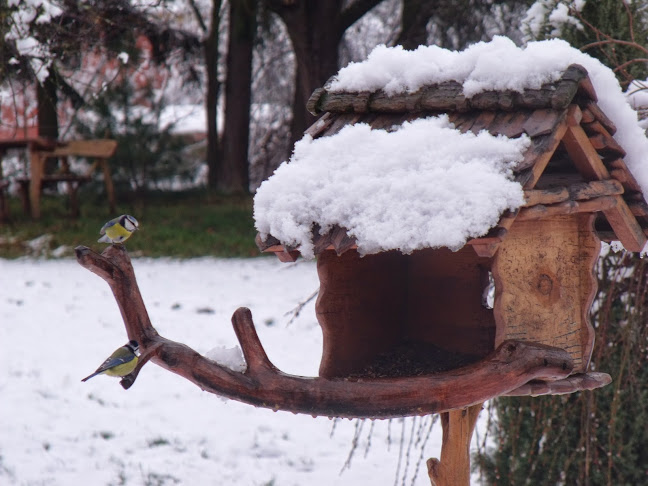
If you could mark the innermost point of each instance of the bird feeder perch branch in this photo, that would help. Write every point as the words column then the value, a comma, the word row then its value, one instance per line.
column 509, row 367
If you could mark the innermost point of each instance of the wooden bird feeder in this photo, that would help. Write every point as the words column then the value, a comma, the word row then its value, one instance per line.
column 413, row 334
column 396, row 316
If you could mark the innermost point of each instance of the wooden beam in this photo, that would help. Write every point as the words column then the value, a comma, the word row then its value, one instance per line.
column 37, row 171
column 454, row 467
column 577, row 192
column 103, row 148
column 625, row 225
column 584, row 156
column 541, row 211
column 539, row 154
column 110, row 188
column 609, row 236
column 552, row 195
column 574, row 115
column 554, row 287
column 571, row 384
column 591, row 190
column 591, row 167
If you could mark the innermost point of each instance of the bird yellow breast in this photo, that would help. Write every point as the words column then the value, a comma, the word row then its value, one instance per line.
column 117, row 230
column 122, row 369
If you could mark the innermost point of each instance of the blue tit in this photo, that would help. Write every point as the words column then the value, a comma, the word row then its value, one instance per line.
column 122, row 362
column 119, row 229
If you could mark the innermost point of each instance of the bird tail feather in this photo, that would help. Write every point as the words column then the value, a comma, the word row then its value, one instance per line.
column 90, row 376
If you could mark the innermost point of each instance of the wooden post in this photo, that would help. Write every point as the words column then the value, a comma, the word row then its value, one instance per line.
column 110, row 190
column 454, row 467
column 73, row 189
column 37, row 163
column 4, row 200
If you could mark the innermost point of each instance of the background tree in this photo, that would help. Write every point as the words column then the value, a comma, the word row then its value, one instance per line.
column 69, row 50
column 456, row 24
column 273, row 68
column 316, row 30
column 210, row 27
column 233, row 175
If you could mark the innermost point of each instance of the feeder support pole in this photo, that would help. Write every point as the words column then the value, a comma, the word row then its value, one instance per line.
column 454, row 467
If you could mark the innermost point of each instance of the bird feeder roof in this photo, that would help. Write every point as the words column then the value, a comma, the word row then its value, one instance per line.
column 445, row 162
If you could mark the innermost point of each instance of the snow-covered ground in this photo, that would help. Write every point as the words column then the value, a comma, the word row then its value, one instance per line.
column 57, row 324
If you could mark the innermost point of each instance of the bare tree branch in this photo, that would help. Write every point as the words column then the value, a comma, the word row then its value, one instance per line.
column 608, row 40
column 614, row 41
column 300, row 307
column 353, row 12
column 199, row 17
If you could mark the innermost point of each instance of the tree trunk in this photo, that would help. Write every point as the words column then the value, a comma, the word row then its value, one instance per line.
column 233, row 174
column 47, row 116
column 416, row 15
column 214, row 155
column 315, row 29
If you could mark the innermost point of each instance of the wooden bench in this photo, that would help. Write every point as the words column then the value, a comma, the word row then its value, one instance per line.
column 74, row 181
column 31, row 187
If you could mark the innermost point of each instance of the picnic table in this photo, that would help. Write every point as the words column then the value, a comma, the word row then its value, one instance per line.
column 40, row 149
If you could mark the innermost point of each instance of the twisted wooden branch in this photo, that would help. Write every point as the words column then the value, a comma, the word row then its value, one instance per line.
column 512, row 365
column 571, row 384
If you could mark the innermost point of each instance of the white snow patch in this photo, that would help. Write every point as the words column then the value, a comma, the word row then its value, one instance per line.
column 424, row 184
column 231, row 357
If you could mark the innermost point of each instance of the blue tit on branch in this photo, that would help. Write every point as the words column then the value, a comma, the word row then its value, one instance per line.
column 118, row 230
column 121, row 363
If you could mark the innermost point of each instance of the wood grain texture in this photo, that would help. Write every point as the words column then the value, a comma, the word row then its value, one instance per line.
column 583, row 155
column 540, row 211
column 445, row 301
column 544, row 284
column 454, row 467
column 571, row 384
column 625, row 225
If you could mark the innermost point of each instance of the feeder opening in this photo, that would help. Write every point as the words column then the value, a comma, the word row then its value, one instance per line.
column 394, row 315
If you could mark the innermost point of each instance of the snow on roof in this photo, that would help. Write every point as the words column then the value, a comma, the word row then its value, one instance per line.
column 495, row 66
column 425, row 184
column 422, row 185
column 637, row 94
